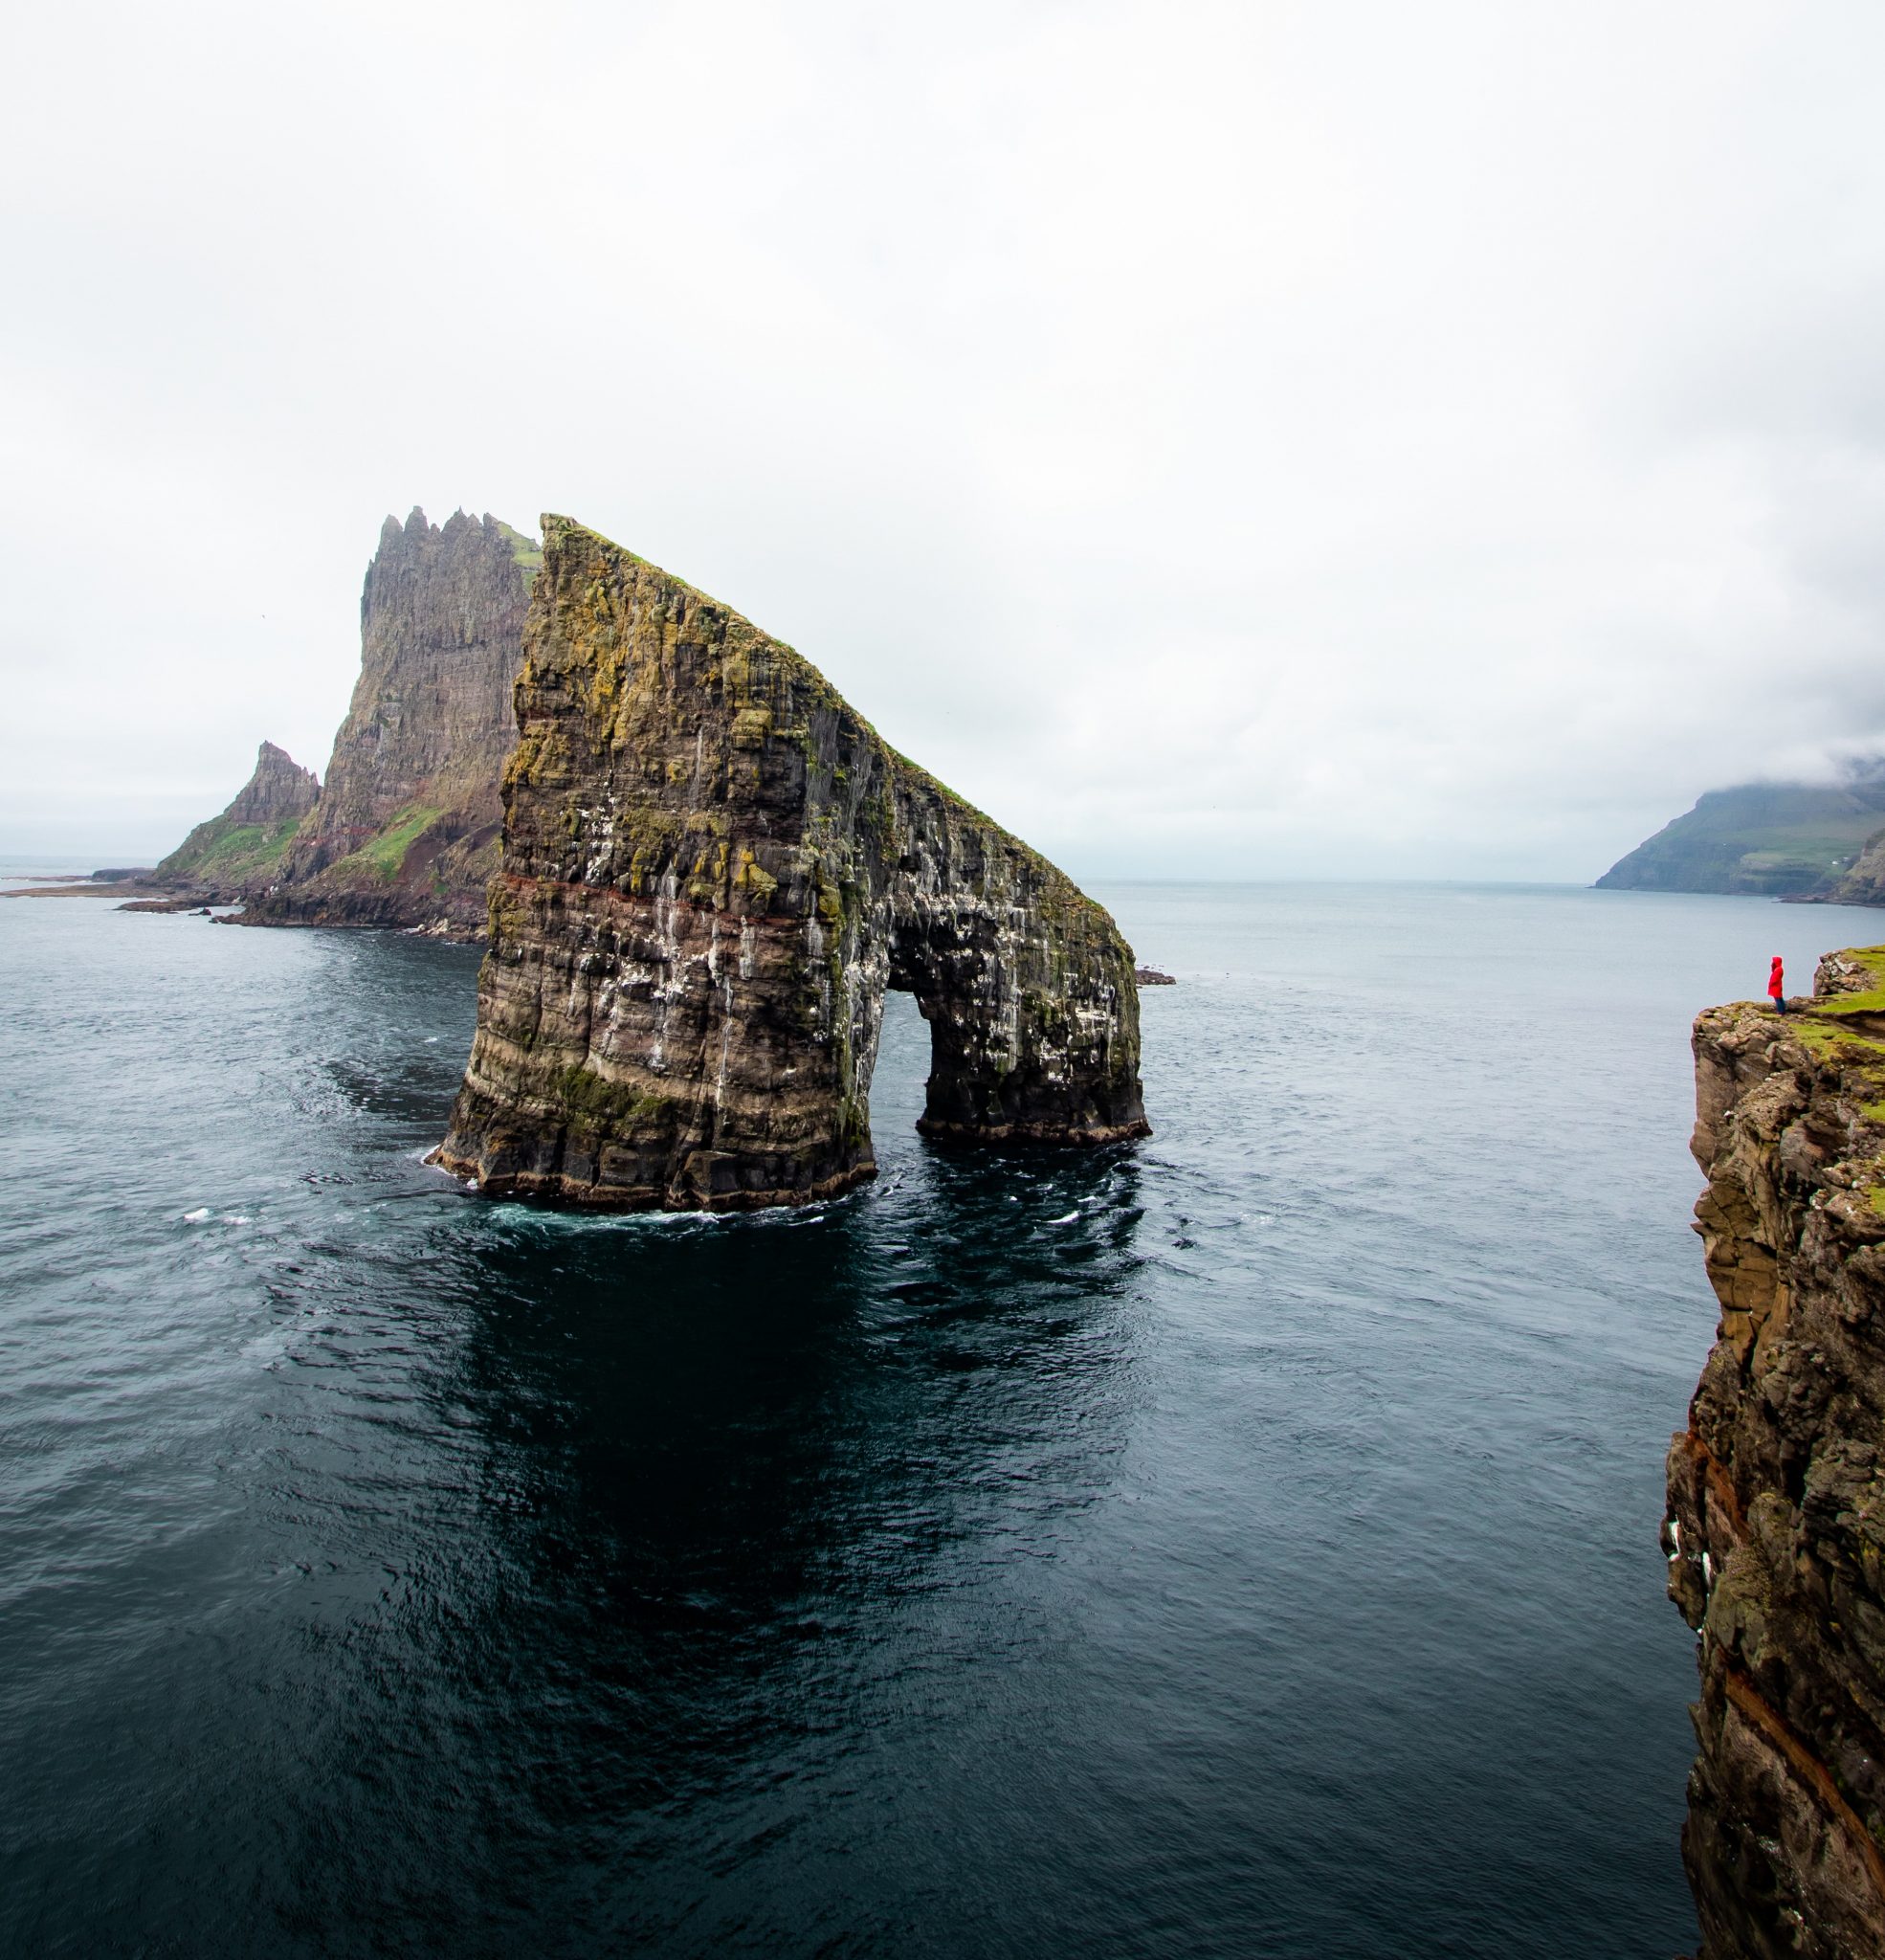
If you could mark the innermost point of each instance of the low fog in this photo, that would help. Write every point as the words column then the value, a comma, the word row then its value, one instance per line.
column 1234, row 441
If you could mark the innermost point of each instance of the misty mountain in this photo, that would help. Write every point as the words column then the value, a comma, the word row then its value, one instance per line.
column 1783, row 839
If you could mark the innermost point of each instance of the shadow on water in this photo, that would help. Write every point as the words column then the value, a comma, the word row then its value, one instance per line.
column 1244, row 1544
column 749, row 1496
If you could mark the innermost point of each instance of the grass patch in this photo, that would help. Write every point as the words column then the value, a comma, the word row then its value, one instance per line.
column 526, row 552
column 241, row 853
column 1872, row 1000
column 383, row 857
column 593, row 1103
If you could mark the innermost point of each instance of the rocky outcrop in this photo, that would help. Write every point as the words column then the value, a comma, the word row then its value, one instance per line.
column 406, row 830
column 1776, row 1528
column 1864, row 884
column 1772, row 839
column 713, row 869
column 245, row 848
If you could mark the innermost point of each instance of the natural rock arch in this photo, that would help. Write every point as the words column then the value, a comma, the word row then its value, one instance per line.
column 713, row 869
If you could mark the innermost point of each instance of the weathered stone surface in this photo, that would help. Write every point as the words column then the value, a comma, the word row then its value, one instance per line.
column 1864, row 884
column 1776, row 1528
column 406, row 831
column 245, row 847
column 713, row 868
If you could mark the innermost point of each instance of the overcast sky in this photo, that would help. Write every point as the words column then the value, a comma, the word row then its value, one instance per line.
column 1254, row 440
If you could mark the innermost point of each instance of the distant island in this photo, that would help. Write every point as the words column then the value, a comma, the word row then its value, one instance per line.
column 1822, row 843
column 405, row 830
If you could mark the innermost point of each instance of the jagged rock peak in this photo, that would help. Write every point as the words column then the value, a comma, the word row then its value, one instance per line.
column 406, row 831
column 1775, row 1535
column 241, row 850
column 279, row 788
column 713, row 869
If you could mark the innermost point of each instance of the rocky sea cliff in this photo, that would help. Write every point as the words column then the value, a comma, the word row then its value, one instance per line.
column 404, row 830
column 1775, row 1534
column 713, row 868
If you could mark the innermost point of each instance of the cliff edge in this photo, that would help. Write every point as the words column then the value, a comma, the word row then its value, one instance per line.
column 713, row 868
column 1776, row 1528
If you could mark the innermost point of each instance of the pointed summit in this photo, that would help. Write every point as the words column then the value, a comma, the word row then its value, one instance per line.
column 242, row 849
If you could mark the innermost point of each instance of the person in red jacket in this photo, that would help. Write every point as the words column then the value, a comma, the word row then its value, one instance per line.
column 1777, row 987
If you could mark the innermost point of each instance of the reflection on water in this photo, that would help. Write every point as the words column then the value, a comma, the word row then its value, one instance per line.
column 1244, row 1543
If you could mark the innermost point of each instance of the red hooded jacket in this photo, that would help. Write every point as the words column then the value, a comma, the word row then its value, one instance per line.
column 1776, row 989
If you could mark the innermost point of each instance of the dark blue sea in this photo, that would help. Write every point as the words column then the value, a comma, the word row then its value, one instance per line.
column 1240, row 1545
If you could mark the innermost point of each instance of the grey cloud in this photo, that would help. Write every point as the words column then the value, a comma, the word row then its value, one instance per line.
column 1298, row 438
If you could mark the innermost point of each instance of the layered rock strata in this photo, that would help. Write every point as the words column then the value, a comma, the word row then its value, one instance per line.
column 1776, row 1528
column 245, row 848
column 713, row 869
column 407, row 828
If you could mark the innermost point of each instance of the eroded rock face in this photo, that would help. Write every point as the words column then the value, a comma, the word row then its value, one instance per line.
column 406, row 831
column 713, row 868
column 246, row 846
column 1776, row 1528
column 1865, row 883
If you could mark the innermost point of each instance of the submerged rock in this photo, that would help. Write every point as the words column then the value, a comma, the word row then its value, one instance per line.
column 713, row 869
column 1776, row 1528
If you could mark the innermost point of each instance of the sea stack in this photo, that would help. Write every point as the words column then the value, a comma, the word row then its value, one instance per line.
column 1776, row 1528
column 406, row 830
column 713, row 868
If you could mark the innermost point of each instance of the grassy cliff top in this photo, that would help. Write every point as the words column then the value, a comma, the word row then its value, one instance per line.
column 1775, row 838
column 525, row 549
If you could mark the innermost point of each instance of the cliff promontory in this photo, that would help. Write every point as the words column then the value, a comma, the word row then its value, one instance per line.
column 406, row 829
column 1776, row 1528
column 1864, row 884
column 1772, row 839
column 244, row 848
column 713, row 869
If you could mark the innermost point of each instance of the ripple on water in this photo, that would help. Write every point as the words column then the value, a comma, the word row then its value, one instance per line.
column 1245, row 1543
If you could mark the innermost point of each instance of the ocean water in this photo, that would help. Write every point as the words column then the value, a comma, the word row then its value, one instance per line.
column 1244, row 1543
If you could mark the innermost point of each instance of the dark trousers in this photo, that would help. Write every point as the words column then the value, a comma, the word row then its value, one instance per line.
column 1780, row 1002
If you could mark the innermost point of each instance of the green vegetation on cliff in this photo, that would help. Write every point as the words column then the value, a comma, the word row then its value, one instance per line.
column 1781, row 839
column 713, row 868
column 525, row 550
column 222, row 853
column 247, row 846
column 382, row 857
